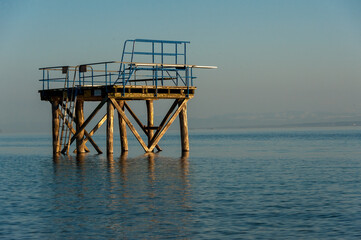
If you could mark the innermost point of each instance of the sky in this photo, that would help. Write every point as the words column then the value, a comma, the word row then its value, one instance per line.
column 273, row 56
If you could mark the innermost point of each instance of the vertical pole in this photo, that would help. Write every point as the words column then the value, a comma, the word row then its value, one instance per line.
column 110, row 127
column 122, row 129
column 150, row 117
column 79, row 114
column 55, row 126
column 183, row 122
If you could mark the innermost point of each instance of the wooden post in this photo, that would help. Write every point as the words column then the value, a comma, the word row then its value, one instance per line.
column 183, row 122
column 122, row 129
column 130, row 125
column 163, row 127
column 79, row 115
column 55, row 126
column 150, row 119
column 110, row 127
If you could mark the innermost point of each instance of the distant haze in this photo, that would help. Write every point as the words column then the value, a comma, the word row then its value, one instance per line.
column 279, row 62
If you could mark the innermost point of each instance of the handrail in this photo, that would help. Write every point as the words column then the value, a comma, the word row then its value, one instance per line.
column 164, row 60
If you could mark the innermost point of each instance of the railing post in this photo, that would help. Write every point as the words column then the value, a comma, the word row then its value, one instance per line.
column 43, row 79
column 176, row 53
column 156, row 80
column 79, row 78
column 92, row 77
column 162, row 62
column 106, row 74
column 185, row 53
column 187, row 80
column 48, row 78
column 123, row 93
column 192, row 77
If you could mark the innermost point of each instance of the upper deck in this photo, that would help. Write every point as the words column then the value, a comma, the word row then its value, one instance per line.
column 97, row 93
column 149, row 69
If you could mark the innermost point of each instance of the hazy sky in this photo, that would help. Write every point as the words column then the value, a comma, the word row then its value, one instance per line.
column 273, row 56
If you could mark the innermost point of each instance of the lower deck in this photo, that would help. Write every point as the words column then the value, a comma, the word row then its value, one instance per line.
column 118, row 92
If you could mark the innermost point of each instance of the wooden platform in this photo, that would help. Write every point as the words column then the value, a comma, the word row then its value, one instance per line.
column 67, row 110
column 97, row 93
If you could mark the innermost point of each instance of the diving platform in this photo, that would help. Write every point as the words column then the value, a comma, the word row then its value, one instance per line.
column 149, row 70
column 97, row 93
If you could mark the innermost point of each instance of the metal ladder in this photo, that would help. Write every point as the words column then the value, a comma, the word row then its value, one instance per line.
column 69, row 97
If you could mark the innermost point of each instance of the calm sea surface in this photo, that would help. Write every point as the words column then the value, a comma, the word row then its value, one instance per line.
column 235, row 184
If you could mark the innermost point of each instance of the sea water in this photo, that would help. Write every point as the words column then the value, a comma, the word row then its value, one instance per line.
column 234, row 184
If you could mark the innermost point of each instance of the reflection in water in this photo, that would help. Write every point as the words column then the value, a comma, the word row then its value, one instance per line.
column 141, row 197
column 151, row 166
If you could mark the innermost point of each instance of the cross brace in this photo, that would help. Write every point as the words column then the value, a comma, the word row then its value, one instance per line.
column 161, row 129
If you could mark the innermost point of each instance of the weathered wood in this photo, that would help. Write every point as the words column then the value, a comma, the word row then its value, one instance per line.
column 159, row 134
column 135, row 118
column 150, row 119
column 115, row 93
column 55, row 126
column 62, row 126
column 91, row 93
column 145, row 130
column 130, row 125
column 122, row 130
column 91, row 133
column 87, row 135
column 66, row 148
column 110, row 127
column 71, row 128
column 165, row 119
column 79, row 114
column 91, row 116
column 183, row 123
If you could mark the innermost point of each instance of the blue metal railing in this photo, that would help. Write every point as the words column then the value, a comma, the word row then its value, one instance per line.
column 151, row 62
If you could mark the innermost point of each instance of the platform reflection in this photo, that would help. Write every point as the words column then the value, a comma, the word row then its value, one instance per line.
column 126, row 195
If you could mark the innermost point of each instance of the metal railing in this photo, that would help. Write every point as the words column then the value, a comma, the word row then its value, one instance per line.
column 144, row 61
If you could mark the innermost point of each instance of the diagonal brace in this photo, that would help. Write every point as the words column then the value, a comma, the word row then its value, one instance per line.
column 69, row 126
column 88, row 135
column 130, row 125
column 160, row 132
column 91, row 116
column 145, row 130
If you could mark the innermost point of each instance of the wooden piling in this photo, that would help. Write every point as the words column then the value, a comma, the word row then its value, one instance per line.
column 150, row 119
column 55, row 126
column 183, row 122
column 110, row 127
column 79, row 114
column 116, row 100
column 122, row 129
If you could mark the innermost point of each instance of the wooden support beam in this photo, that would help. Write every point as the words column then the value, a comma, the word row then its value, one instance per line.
column 130, row 125
column 150, row 119
column 135, row 118
column 87, row 135
column 183, row 123
column 145, row 130
column 166, row 117
column 71, row 128
column 79, row 114
column 91, row 133
column 110, row 127
column 122, row 129
column 91, row 116
column 160, row 132
column 55, row 126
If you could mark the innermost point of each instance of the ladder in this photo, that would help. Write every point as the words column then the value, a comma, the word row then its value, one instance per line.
column 68, row 105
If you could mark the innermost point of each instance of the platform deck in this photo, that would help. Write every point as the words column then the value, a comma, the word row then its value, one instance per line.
column 97, row 93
